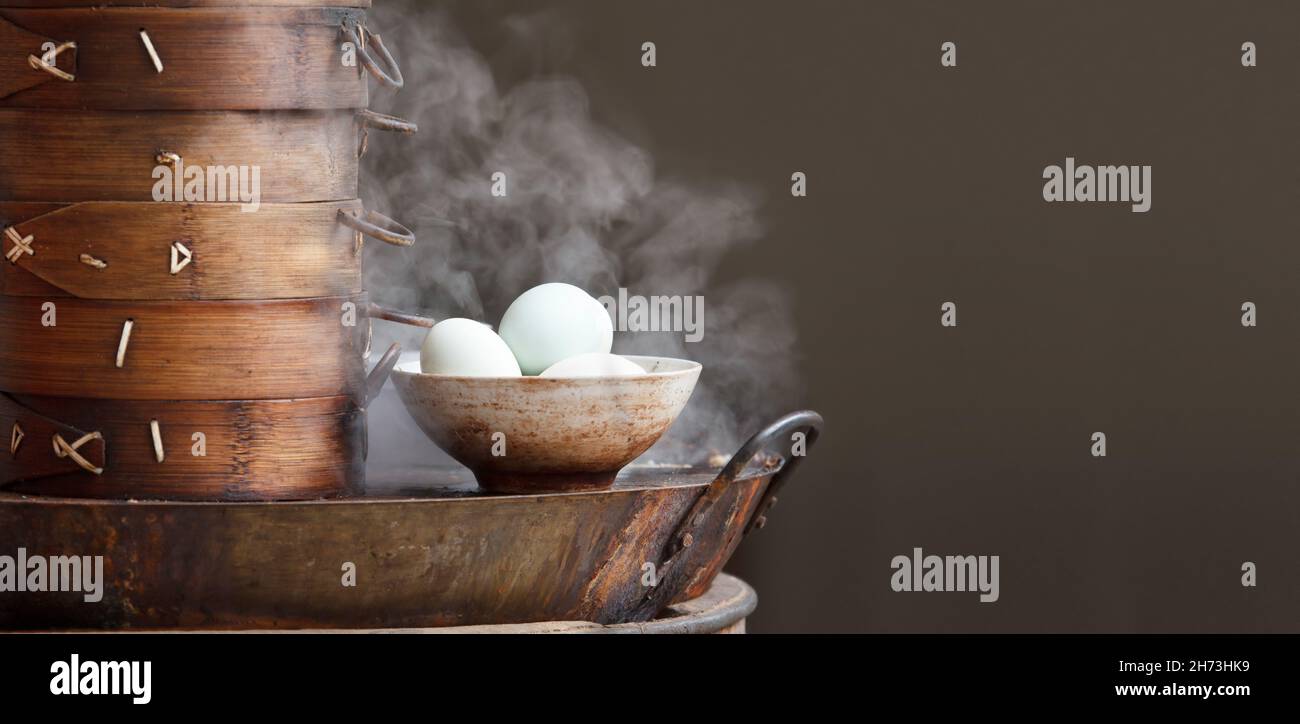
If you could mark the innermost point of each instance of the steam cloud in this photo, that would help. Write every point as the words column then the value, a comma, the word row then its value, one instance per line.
column 584, row 206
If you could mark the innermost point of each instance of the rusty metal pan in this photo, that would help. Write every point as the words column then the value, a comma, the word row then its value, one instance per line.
column 428, row 550
column 148, row 58
column 174, row 156
column 148, row 251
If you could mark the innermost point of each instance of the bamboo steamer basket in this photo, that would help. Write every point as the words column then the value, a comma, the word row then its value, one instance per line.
column 431, row 549
column 232, row 350
column 148, row 58
column 300, row 156
column 301, row 449
column 188, row 450
column 148, row 251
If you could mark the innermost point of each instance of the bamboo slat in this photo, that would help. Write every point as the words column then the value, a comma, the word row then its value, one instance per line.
column 187, row 450
column 233, row 350
column 210, row 59
column 176, row 251
column 63, row 156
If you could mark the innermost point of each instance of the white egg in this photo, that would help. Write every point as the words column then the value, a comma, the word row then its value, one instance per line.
column 594, row 364
column 552, row 322
column 466, row 348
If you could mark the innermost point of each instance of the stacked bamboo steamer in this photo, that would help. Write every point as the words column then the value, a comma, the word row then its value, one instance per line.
column 181, row 305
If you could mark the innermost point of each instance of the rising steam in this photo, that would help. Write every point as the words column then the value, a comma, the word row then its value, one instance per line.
column 584, row 206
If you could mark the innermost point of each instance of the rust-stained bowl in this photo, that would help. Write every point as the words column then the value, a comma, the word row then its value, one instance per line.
column 537, row 434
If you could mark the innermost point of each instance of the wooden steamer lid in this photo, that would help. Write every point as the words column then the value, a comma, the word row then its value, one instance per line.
column 210, row 58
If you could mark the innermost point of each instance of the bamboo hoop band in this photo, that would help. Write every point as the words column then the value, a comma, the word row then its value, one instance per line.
column 63, row 450
column 391, row 232
column 42, row 64
column 302, row 156
column 389, row 75
column 178, row 251
column 284, row 56
column 304, row 448
column 180, row 350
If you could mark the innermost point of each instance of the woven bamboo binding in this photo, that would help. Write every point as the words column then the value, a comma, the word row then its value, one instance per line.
column 64, row 449
column 43, row 64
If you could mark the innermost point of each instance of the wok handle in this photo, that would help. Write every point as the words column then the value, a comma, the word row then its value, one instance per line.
column 379, row 375
column 776, row 436
column 377, row 226
column 780, row 432
column 389, row 73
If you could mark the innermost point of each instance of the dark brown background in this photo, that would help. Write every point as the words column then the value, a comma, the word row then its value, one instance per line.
column 924, row 187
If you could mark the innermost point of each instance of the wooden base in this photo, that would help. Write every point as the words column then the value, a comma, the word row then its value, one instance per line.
column 720, row 610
